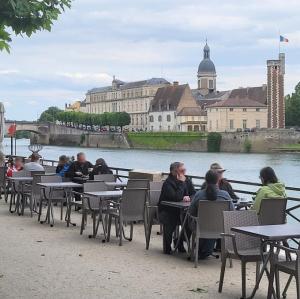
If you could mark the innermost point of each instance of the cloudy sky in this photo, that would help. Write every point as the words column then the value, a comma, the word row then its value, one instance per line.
column 139, row 39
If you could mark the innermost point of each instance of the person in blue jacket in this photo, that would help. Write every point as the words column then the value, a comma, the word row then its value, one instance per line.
column 63, row 166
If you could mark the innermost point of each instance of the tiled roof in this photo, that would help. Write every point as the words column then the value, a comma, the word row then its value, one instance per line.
column 168, row 97
column 148, row 82
column 192, row 111
column 257, row 94
column 237, row 102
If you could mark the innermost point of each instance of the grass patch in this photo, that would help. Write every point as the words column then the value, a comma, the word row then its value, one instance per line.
column 291, row 146
column 163, row 140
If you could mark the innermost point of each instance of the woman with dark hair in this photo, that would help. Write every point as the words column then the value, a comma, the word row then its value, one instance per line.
column 271, row 188
column 213, row 193
column 101, row 167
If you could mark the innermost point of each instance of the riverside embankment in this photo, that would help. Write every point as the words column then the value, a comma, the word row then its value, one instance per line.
column 237, row 142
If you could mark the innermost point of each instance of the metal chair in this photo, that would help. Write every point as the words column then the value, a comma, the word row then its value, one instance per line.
column 91, row 205
column 209, row 223
column 53, row 196
column 272, row 211
column 131, row 209
column 105, row 177
column 49, row 169
column 239, row 246
column 3, row 181
column 291, row 267
column 137, row 183
column 151, row 210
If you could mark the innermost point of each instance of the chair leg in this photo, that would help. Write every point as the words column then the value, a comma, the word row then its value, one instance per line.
column 257, row 270
column 277, row 283
column 40, row 209
column 243, row 266
column 82, row 223
column 298, row 286
column 120, row 232
column 222, row 273
column 196, row 251
column 109, row 227
column 230, row 263
column 287, row 286
column 148, row 236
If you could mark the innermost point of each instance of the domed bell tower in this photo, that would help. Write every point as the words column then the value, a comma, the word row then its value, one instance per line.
column 206, row 73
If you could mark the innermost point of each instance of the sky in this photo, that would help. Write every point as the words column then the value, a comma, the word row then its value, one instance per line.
column 141, row 39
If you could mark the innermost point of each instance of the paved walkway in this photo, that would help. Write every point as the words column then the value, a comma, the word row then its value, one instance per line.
column 37, row 261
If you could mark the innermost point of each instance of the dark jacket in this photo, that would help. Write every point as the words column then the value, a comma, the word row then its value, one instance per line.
column 76, row 167
column 61, row 170
column 224, row 185
column 175, row 190
column 101, row 169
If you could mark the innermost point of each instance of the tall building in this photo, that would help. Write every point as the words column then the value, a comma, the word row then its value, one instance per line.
column 275, row 92
column 132, row 97
column 206, row 73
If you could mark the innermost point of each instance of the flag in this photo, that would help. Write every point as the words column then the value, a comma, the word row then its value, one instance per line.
column 283, row 39
column 12, row 130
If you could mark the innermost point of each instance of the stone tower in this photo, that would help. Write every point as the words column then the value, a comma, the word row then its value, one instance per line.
column 206, row 73
column 275, row 92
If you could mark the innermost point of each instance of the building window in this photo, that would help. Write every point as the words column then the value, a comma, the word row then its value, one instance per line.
column 257, row 109
column 257, row 123
column 211, row 84
column 151, row 118
column 231, row 109
column 169, row 117
column 190, row 128
column 244, row 109
column 217, row 124
column 159, row 118
column 231, row 124
column 244, row 123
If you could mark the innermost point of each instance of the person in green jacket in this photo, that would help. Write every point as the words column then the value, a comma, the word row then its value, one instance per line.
column 271, row 188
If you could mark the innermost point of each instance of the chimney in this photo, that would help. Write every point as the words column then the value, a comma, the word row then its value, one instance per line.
column 175, row 83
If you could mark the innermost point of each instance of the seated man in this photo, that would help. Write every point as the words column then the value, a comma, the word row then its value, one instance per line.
column 63, row 166
column 34, row 164
column 214, row 193
column 79, row 169
column 177, row 187
column 223, row 184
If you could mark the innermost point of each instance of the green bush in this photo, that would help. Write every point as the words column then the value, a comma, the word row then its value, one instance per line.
column 247, row 145
column 214, row 142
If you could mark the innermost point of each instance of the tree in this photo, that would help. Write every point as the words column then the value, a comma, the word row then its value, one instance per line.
column 123, row 119
column 27, row 17
column 292, row 108
column 51, row 114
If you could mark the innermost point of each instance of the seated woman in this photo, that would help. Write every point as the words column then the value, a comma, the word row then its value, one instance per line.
column 101, row 167
column 271, row 188
column 211, row 192
column 63, row 166
column 177, row 187
column 14, row 166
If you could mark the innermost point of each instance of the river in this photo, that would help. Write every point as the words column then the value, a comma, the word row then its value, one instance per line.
column 239, row 166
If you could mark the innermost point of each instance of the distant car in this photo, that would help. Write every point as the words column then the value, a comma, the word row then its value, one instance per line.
column 239, row 130
column 253, row 129
column 247, row 130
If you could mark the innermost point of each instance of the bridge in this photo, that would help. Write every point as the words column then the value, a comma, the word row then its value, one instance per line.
column 30, row 126
column 44, row 132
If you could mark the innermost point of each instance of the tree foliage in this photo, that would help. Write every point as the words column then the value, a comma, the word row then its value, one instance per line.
column 214, row 142
column 27, row 17
column 72, row 118
column 50, row 114
column 292, row 108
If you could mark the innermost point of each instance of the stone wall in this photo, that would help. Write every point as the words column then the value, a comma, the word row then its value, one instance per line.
column 261, row 141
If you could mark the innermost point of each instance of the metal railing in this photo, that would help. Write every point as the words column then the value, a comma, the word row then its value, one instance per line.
column 240, row 187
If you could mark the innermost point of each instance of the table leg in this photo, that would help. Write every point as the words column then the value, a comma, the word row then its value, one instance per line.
column 69, row 207
column 183, row 221
column 272, row 272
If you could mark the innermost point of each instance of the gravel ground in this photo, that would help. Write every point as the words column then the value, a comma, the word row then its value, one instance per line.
column 37, row 261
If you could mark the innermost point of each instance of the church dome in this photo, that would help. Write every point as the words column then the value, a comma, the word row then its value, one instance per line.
column 206, row 66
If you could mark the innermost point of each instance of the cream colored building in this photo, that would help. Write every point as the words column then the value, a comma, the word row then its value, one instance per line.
column 132, row 97
column 175, row 109
column 75, row 106
column 235, row 114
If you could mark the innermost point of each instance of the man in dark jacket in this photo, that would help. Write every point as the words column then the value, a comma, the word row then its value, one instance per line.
column 79, row 169
column 177, row 187
column 223, row 184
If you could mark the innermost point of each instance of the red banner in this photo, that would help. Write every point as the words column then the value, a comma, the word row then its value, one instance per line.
column 12, row 130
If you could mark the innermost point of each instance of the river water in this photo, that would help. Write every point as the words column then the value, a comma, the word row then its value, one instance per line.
column 239, row 166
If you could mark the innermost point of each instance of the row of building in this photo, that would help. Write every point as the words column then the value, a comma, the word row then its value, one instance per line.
column 158, row 105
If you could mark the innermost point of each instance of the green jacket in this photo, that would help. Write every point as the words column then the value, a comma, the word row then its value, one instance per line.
column 269, row 191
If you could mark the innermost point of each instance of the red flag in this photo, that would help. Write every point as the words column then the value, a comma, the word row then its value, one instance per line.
column 12, row 130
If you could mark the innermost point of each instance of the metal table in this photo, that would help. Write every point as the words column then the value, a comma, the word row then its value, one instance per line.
column 269, row 235
column 116, row 184
column 183, row 206
column 20, row 202
column 103, row 195
column 67, row 187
